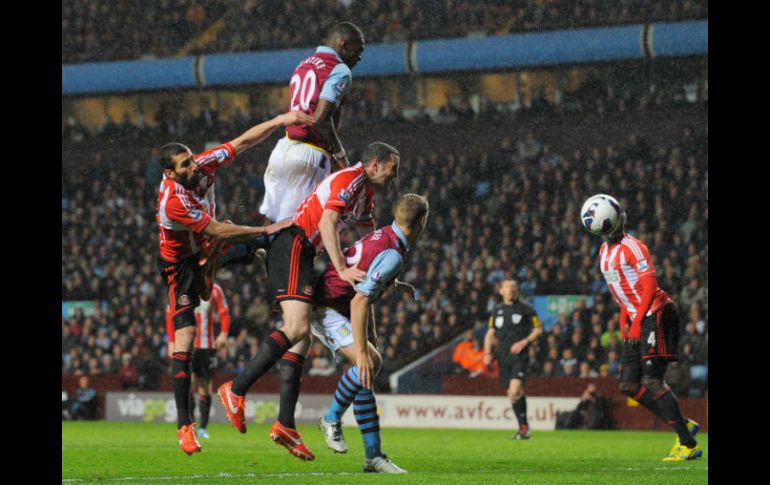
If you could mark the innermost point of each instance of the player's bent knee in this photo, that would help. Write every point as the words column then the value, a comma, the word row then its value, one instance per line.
column 628, row 388
column 655, row 385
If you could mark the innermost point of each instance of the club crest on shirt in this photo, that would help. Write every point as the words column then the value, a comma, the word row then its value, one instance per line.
column 339, row 87
column 642, row 265
column 184, row 300
column 377, row 276
column 195, row 214
column 344, row 195
column 516, row 318
column 308, row 290
column 344, row 331
column 499, row 321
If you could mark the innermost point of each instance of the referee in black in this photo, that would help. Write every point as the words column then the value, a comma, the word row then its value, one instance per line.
column 513, row 325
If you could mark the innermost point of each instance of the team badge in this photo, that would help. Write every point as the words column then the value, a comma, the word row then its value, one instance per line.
column 499, row 322
column 344, row 196
column 195, row 214
column 344, row 331
column 221, row 155
column 339, row 87
column 516, row 318
column 308, row 290
column 642, row 265
column 377, row 276
column 184, row 300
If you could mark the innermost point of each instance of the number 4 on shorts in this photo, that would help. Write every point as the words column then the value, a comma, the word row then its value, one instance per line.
column 651, row 339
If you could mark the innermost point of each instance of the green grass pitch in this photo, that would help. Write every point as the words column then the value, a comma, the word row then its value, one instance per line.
column 106, row 452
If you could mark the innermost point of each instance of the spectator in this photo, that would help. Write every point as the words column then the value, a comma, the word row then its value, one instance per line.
column 129, row 375
column 84, row 404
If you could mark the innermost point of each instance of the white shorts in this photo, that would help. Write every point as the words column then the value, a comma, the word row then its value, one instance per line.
column 332, row 329
column 293, row 170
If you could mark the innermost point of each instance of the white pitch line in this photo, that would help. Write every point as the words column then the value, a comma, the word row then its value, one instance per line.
column 324, row 474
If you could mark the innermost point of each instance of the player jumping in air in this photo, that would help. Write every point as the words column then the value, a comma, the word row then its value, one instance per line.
column 184, row 221
column 513, row 325
column 345, row 194
column 652, row 337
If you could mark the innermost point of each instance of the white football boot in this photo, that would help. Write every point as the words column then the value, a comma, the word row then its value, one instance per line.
column 381, row 464
column 333, row 435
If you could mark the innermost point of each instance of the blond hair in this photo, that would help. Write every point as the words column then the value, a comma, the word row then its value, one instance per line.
column 410, row 209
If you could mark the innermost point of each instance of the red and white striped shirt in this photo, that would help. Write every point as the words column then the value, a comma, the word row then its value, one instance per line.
column 181, row 219
column 346, row 191
column 623, row 265
column 204, row 318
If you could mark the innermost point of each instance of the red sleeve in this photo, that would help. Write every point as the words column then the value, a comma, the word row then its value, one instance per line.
column 169, row 326
column 220, row 303
column 209, row 161
column 179, row 209
column 339, row 195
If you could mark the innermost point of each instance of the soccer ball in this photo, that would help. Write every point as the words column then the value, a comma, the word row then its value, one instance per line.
column 601, row 215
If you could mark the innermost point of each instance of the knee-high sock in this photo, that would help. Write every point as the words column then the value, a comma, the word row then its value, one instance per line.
column 520, row 410
column 205, row 407
column 192, row 405
column 181, row 362
column 291, row 378
column 365, row 411
column 347, row 388
column 274, row 346
column 665, row 407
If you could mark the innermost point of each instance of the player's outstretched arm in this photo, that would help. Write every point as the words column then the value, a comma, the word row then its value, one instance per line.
column 359, row 316
column 224, row 231
column 257, row 134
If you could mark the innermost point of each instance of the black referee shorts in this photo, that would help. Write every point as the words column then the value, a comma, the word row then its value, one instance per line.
column 290, row 270
column 512, row 367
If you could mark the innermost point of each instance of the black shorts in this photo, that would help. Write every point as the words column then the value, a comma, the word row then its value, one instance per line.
column 184, row 282
column 512, row 367
column 290, row 270
column 204, row 362
column 660, row 343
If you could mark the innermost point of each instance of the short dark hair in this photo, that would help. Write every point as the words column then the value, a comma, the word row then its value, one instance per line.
column 169, row 150
column 378, row 150
column 346, row 30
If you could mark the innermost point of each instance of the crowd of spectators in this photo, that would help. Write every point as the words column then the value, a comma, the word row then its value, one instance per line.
column 503, row 207
column 602, row 94
column 99, row 30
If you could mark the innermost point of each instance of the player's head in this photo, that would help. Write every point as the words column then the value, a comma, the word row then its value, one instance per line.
column 348, row 40
column 381, row 162
column 509, row 289
column 411, row 214
column 178, row 164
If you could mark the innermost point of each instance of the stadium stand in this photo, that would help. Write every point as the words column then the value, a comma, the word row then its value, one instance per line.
column 94, row 30
column 504, row 203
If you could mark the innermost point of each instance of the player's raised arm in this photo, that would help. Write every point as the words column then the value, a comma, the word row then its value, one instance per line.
column 257, row 134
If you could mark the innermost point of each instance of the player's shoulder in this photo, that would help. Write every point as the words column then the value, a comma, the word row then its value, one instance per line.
column 341, row 69
column 524, row 305
column 634, row 245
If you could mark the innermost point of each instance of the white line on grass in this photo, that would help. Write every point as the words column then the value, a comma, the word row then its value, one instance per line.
column 324, row 474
